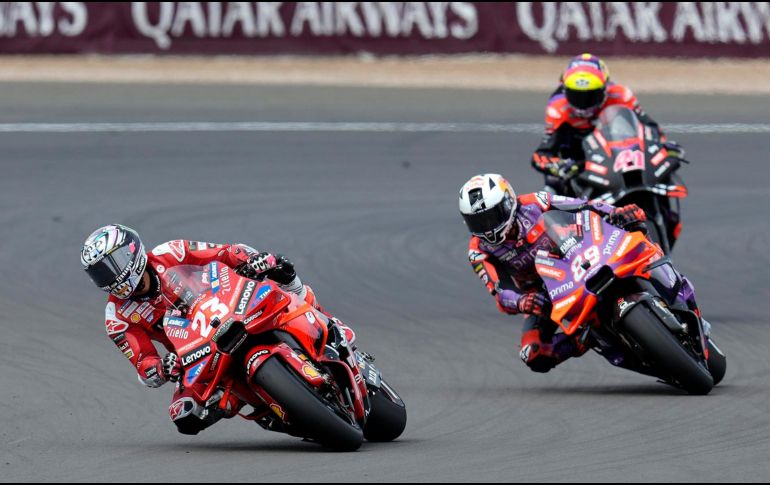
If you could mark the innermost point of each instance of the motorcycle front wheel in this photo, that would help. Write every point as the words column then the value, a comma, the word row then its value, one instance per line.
column 310, row 414
column 666, row 352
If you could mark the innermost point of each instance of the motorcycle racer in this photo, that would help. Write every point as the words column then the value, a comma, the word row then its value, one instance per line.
column 584, row 92
column 115, row 259
column 505, row 241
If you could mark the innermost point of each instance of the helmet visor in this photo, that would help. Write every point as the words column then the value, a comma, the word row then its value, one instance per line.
column 113, row 268
column 585, row 99
column 489, row 220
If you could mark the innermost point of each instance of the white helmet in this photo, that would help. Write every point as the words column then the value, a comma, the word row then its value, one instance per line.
column 488, row 205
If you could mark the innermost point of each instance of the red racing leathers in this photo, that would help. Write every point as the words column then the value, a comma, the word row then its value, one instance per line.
column 508, row 271
column 135, row 323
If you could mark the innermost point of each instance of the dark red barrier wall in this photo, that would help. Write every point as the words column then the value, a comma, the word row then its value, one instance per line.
column 627, row 28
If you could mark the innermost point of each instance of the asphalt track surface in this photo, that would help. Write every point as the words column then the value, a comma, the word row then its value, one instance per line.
column 371, row 222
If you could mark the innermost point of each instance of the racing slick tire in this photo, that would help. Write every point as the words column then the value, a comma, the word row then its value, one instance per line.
column 387, row 418
column 310, row 414
column 717, row 363
column 666, row 352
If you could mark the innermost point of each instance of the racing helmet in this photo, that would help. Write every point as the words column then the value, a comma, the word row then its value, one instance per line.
column 115, row 259
column 585, row 85
column 488, row 205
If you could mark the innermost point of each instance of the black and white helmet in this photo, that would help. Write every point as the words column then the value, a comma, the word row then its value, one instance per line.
column 488, row 205
column 115, row 259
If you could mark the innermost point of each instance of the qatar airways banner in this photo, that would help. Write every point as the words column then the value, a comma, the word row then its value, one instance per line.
column 565, row 28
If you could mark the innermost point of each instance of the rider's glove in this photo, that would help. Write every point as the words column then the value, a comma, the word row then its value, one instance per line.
column 674, row 149
column 256, row 265
column 528, row 303
column 283, row 273
column 170, row 367
column 630, row 217
column 533, row 304
column 563, row 168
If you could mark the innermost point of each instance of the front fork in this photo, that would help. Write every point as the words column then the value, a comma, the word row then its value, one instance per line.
column 366, row 376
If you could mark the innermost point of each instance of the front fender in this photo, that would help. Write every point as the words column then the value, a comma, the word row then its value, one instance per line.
column 626, row 303
column 302, row 367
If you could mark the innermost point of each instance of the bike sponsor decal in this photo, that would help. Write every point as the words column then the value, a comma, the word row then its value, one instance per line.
column 565, row 302
column 254, row 360
column 622, row 306
column 245, row 297
column 224, row 278
column 263, row 292
column 595, row 167
column 624, row 246
column 596, row 228
column 136, row 318
column 543, row 200
column 561, row 289
column 215, row 361
column 115, row 327
column 124, row 347
column 567, row 245
column 629, row 161
column 310, row 372
column 179, row 333
column 192, row 375
column 196, row 355
column 176, row 322
column 598, row 180
column 278, row 410
column 607, row 251
column 549, row 272
column 662, row 169
column 174, row 248
column 214, row 277
column 544, row 261
column 253, row 317
column 587, row 222
column 658, row 158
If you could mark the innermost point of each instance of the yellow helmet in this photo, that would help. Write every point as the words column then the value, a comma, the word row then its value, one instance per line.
column 585, row 84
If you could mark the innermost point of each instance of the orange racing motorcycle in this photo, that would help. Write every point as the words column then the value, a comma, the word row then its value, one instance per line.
column 621, row 296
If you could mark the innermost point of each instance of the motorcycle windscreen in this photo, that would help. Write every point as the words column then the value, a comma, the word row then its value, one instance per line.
column 181, row 285
column 563, row 229
column 618, row 123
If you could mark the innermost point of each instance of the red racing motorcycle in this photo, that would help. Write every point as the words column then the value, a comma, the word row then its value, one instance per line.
column 247, row 343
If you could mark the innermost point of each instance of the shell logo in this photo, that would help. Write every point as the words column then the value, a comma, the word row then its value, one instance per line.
column 311, row 372
column 278, row 411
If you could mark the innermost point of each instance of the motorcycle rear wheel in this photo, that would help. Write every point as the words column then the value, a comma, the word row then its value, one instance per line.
column 310, row 413
column 666, row 352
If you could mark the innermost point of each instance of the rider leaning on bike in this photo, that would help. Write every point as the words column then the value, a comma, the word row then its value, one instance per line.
column 115, row 259
column 584, row 92
column 505, row 241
